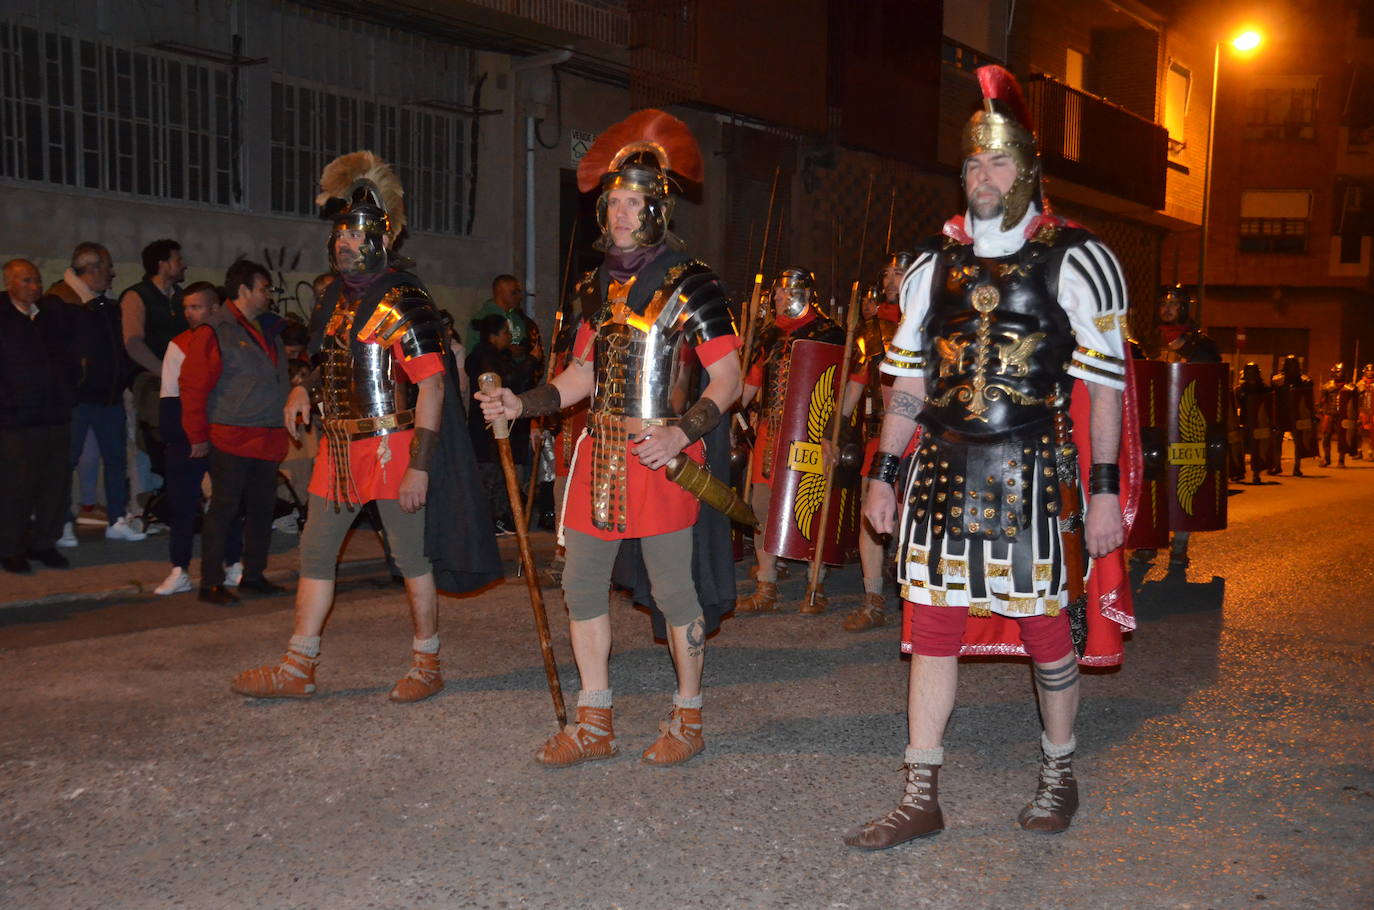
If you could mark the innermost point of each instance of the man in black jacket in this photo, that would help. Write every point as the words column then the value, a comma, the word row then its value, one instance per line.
column 98, row 340
column 35, row 415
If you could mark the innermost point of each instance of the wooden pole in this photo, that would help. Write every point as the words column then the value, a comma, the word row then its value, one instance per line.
column 490, row 383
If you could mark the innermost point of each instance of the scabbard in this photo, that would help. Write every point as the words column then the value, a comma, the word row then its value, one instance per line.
column 702, row 484
column 1071, row 531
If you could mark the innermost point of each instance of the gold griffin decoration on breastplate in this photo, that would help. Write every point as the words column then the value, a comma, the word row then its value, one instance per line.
column 1013, row 358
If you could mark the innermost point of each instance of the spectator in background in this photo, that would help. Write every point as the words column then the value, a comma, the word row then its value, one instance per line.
column 233, row 393
column 492, row 355
column 98, row 341
column 152, row 317
column 456, row 363
column 506, row 297
column 184, row 472
column 294, row 337
column 36, row 390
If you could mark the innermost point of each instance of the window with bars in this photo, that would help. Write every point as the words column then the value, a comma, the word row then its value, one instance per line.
column 1284, row 108
column 97, row 116
column 428, row 148
column 1273, row 235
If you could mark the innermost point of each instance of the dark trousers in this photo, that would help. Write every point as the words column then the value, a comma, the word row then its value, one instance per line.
column 107, row 423
column 247, row 484
column 33, row 486
column 183, row 476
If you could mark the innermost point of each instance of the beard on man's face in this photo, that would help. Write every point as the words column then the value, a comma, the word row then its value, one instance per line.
column 986, row 203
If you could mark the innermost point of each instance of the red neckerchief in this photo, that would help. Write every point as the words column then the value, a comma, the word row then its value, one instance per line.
column 789, row 324
column 889, row 312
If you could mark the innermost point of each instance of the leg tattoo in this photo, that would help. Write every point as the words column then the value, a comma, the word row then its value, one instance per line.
column 696, row 637
column 1057, row 678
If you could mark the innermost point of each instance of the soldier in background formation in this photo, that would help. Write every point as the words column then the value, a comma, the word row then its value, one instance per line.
column 882, row 313
column 1339, row 409
column 1293, row 414
column 1254, row 403
column 1365, row 388
column 796, row 317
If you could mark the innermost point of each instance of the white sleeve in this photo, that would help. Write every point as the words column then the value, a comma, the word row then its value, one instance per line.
column 1092, row 292
column 906, row 352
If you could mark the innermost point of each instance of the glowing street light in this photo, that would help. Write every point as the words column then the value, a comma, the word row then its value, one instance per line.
column 1244, row 42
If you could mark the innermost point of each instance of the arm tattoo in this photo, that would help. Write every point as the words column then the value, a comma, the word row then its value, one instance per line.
column 696, row 638
column 904, row 404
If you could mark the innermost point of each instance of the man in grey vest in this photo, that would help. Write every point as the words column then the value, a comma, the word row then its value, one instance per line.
column 233, row 390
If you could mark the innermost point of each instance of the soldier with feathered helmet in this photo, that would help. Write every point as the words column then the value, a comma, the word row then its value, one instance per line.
column 1000, row 315
column 393, row 435
column 653, row 320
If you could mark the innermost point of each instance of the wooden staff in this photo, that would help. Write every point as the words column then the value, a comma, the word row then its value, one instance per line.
column 842, row 383
column 813, row 583
column 749, row 318
column 490, row 383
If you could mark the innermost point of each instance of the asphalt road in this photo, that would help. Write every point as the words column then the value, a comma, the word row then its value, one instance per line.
column 1228, row 764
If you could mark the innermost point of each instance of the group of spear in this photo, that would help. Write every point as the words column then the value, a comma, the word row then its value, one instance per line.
column 755, row 317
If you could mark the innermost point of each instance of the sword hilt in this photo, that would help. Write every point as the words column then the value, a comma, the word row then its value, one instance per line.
column 490, row 384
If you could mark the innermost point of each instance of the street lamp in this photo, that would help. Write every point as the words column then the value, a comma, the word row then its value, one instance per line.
column 1244, row 42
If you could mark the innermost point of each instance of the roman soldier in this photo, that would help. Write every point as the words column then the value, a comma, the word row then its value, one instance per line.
column 1293, row 413
column 882, row 313
column 1339, row 409
column 654, row 320
column 797, row 316
column 1366, row 402
column 1001, row 315
column 1255, row 414
column 392, row 433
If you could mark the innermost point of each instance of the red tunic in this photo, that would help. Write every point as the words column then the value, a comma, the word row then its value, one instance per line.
column 656, row 505
column 378, row 463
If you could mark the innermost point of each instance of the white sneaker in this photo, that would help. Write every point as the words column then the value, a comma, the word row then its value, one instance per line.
column 287, row 524
column 68, row 538
column 177, row 583
column 121, row 530
column 156, row 527
column 233, row 575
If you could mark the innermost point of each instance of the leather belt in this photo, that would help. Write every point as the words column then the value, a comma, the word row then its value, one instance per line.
column 367, row 427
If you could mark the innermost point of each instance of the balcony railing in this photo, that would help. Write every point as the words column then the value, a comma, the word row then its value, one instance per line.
column 1094, row 143
column 605, row 21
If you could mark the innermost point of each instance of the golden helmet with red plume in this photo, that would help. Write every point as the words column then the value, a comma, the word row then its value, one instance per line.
column 1004, row 125
column 650, row 152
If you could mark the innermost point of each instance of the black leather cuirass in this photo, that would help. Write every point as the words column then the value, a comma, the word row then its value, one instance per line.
column 998, row 344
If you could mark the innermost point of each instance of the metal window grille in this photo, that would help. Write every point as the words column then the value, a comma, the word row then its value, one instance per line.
column 1282, row 113
column 1273, row 235
column 97, row 116
column 428, row 148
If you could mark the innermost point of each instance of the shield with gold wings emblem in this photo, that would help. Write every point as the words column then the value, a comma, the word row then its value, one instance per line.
column 798, row 477
column 1199, row 402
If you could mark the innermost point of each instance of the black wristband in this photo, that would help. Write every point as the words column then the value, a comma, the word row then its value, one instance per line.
column 699, row 419
column 541, row 400
column 1104, row 478
column 884, row 468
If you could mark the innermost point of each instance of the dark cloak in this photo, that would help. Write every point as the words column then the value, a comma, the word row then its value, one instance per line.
column 459, row 540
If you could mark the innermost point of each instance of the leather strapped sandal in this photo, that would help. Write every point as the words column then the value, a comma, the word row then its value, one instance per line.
column 917, row 815
column 679, row 738
column 294, row 677
column 763, row 600
column 868, row 616
column 1052, row 808
column 592, row 738
column 421, row 682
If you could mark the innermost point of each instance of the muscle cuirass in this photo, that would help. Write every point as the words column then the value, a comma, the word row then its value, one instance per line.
column 998, row 345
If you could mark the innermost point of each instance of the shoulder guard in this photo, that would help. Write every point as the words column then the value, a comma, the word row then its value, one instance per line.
column 406, row 314
column 703, row 310
column 587, row 296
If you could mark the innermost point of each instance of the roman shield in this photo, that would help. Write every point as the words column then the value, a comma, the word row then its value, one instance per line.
column 1151, row 528
column 1199, row 404
column 797, row 476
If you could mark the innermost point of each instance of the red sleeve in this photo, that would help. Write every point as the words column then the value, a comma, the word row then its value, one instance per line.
column 199, row 373
column 713, row 350
column 418, row 368
column 755, row 374
column 582, row 345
